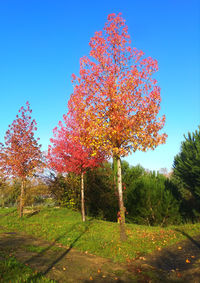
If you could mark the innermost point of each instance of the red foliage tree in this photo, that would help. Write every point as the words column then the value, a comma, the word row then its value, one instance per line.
column 21, row 154
column 115, row 100
column 67, row 154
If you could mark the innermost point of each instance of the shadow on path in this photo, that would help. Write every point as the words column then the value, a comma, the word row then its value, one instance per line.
column 197, row 243
column 59, row 258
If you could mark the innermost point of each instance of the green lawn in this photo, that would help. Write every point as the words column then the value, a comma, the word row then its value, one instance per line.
column 95, row 236
column 14, row 271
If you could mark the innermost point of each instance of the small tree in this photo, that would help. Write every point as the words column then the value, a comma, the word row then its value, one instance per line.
column 21, row 154
column 115, row 100
column 67, row 154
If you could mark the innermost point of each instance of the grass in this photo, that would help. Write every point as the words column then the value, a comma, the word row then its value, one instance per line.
column 15, row 272
column 95, row 236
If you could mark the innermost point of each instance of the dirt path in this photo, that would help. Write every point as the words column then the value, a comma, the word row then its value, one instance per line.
column 179, row 263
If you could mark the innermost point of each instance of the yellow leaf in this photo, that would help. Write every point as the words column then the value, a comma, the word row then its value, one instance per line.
column 179, row 248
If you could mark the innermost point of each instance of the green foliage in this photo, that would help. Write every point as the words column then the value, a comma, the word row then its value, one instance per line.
column 66, row 190
column 149, row 199
column 187, row 172
column 36, row 192
column 131, row 174
column 9, row 192
column 101, row 194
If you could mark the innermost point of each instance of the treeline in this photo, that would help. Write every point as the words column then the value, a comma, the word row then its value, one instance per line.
column 150, row 198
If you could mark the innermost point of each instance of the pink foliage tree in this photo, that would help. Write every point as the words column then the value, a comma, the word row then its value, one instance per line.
column 67, row 154
column 116, row 99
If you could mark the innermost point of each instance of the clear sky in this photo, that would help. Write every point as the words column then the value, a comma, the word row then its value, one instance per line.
column 41, row 42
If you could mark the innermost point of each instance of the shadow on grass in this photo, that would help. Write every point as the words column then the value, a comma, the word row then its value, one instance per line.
column 59, row 258
column 28, row 215
column 197, row 243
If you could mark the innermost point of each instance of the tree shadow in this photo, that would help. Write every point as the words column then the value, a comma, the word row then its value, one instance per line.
column 181, row 256
column 59, row 258
column 197, row 243
column 28, row 215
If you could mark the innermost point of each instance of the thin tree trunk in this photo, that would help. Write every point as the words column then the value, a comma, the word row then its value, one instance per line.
column 21, row 204
column 121, row 202
column 114, row 173
column 82, row 198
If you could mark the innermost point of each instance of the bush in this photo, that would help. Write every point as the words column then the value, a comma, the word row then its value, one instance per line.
column 65, row 190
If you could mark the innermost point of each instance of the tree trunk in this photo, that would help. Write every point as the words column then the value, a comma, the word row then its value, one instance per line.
column 21, row 204
column 82, row 198
column 121, row 202
column 114, row 173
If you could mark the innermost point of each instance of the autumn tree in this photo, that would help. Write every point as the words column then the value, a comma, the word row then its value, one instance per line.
column 21, row 153
column 115, row 99
column 67, row 154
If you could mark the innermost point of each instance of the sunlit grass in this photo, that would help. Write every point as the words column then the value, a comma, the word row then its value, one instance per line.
column 14, row 271
column 95, row 236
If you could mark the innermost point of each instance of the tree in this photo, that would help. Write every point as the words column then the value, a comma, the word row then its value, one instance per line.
column 187, row 164
column 21, row 154
column 67, row 154
column 115, row 99
column 150, row 201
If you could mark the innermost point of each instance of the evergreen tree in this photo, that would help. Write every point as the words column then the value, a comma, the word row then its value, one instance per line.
column 149, row 201
column 187, row 163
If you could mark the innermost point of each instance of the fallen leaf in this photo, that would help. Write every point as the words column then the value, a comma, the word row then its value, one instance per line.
column 192, row 256
column 179, row 248
column 64, row 268
column 142, row 258
column 91, row 278
column 187, row 260
column 99, row 270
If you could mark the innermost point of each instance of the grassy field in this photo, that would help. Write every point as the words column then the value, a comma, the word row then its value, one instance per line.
column 95, row 236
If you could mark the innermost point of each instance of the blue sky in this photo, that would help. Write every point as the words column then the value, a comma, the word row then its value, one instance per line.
column 42, row 42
